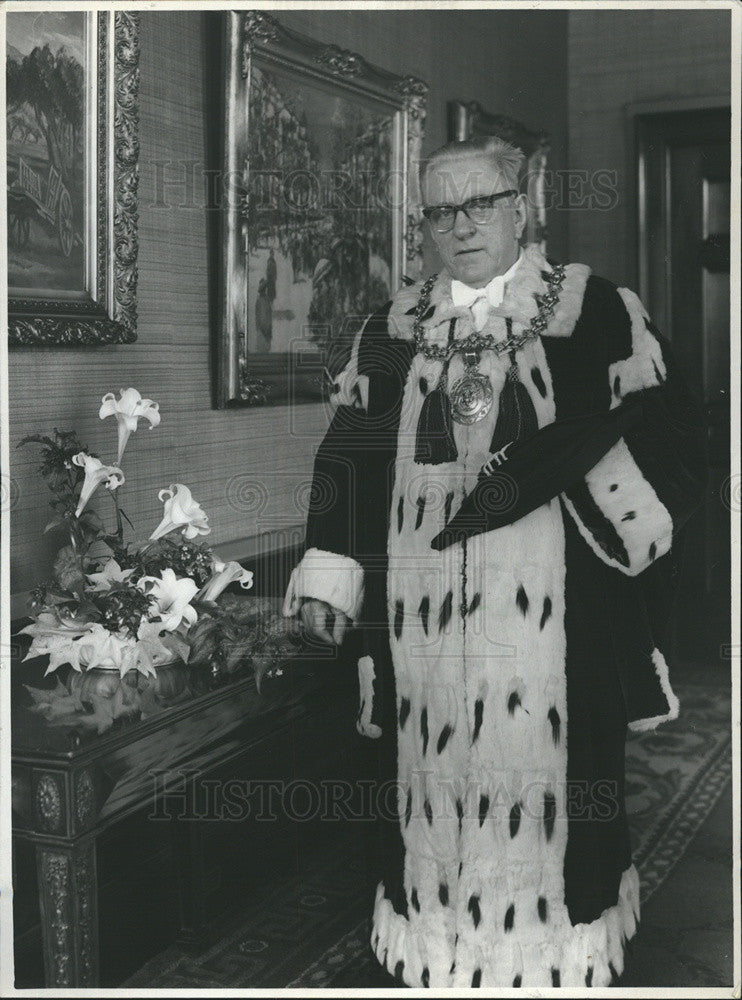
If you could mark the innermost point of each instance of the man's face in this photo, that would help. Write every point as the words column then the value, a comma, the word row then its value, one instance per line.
column 474, row 253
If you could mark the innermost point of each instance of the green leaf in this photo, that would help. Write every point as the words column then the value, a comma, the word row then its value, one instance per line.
column 121, row 511
column 202, row 650
column 260, row 664
column 237, row 654
column 36, row 439
column 88, row 611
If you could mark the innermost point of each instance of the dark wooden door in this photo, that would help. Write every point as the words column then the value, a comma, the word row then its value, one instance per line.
column 684, row 223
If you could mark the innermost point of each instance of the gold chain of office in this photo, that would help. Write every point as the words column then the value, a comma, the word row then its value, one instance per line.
column 477, row 343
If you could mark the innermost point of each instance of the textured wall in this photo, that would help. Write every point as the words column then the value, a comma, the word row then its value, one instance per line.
column 512, row 62
column 619, row 57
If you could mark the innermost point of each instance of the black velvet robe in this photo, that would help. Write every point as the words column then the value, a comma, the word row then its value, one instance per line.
column 574, row 575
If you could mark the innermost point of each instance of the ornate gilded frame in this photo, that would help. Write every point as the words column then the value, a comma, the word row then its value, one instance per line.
column 256, row 38
column 106, row 312
column 467, row 119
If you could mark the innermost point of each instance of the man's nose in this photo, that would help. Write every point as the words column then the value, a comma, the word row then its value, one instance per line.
column 462, row 225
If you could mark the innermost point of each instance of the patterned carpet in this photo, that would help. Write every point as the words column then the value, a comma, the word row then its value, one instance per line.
column 313, row 931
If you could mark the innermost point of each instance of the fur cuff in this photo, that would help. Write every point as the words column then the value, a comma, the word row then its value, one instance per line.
column 366, row 681
column 663, row 674
column 329, row 577
column 619, row 514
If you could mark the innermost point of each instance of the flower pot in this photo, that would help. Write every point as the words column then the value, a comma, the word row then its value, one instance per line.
column 100, row 682
column 169, row 681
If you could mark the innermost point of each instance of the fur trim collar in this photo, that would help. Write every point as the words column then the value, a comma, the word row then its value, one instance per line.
column 519, row 303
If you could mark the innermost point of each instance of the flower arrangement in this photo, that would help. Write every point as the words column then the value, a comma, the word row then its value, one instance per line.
column 132, row 608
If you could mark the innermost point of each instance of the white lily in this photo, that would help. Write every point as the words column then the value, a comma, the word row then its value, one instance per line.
column 172, row 598
column 223, row 575
column 181, row 511
column 111, row 573
column 95, row 474
column 127, row 409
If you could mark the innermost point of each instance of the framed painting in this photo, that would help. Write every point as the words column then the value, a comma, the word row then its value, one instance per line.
column 72, row 159
column 467, row 119
column 321, row 219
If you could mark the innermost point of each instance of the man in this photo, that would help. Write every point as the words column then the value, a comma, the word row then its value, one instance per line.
column 271, row 276
column 263, row 318
column 511, row 458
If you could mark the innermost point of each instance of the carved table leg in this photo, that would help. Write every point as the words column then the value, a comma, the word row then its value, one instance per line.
column 68, row 895
column 189, row 853
column 188, row 847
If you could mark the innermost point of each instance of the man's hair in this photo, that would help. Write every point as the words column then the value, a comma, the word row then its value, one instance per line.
column 506, row 158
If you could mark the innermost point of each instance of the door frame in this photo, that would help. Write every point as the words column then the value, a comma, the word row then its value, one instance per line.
column 637, row 262
column 651, row 136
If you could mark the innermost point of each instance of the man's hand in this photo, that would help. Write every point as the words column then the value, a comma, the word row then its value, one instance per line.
column 318, row 618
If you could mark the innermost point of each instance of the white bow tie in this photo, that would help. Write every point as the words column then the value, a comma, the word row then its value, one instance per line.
column 481, row 300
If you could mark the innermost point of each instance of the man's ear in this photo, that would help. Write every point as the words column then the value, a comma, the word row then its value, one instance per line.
column 521, row 214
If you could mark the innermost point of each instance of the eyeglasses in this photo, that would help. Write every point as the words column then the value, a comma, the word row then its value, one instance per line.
column 480, row 210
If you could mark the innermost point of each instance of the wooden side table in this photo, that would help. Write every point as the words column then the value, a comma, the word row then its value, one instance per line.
column 70, row 785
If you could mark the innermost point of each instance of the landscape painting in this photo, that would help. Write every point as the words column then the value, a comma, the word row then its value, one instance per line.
column 47, row 81
column 320, row 224
column 322, row 217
